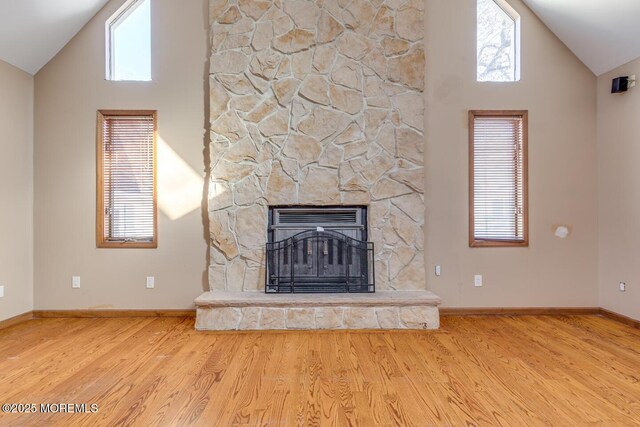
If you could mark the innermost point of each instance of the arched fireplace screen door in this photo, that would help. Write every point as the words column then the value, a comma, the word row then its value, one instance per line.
column 319, row 250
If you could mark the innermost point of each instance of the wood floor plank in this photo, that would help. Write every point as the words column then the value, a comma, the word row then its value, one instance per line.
column 494, row 371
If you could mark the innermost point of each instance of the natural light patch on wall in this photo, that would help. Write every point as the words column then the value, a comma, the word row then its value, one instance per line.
column 129, row 42
column 179, row 186
column 498, row 42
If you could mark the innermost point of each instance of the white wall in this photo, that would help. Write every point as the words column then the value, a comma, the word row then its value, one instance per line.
column 68, row 91
column 16, row 191
column 558, row 91
column 619, row 193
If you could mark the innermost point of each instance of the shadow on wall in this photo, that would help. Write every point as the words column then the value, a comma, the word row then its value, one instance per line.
column 180, row 191
column 206, row 125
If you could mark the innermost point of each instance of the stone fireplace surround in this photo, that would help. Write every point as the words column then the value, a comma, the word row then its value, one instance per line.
column 315, row 102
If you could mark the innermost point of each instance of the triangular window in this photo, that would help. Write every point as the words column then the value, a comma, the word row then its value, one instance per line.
column 128, row 35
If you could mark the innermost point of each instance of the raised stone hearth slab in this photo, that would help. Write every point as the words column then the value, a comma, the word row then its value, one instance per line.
column 218, row 310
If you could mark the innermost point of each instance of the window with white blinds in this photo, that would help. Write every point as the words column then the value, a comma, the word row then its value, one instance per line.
column 498, row 178
column 127, row 208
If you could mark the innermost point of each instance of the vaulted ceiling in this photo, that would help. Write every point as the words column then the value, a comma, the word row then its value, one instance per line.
column 33, row 31
column 604, row 34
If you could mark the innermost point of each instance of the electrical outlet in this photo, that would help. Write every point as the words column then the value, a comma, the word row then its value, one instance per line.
column 75, row 282
column 622, row 287
column 1, row 291
column 151, row 282
column 438, row 270
column 477, row 280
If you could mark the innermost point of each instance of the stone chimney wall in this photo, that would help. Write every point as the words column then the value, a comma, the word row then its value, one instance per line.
column 316, row 102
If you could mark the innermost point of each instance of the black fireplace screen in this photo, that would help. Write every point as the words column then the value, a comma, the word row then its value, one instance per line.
column 322, row 258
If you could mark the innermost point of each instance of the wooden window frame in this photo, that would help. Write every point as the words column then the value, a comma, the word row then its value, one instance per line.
column 101, row 242
column 484, row 243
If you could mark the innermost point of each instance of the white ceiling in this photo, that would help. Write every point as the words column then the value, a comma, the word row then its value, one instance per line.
column 604, row 34
column 33, row 31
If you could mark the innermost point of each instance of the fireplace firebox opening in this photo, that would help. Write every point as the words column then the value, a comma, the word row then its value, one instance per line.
column 319, row 249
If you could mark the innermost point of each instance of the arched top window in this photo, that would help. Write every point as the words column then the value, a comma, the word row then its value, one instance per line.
column 498, row 40
column 128, row 37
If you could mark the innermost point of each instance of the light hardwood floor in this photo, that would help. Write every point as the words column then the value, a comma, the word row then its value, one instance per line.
column 510, row 371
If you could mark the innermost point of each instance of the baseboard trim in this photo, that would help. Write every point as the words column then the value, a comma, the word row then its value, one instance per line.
column 519, row 311
column 54, row 314
column 620, row 318
column 20, row 318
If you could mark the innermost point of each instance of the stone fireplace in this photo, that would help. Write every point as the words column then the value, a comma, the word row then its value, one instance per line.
column 316, row 103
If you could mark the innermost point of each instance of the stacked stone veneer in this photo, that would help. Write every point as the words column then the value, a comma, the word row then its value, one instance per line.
column 316, row 102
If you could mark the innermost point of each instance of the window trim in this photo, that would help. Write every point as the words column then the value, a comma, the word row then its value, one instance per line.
column 482, row 243
column 101, row 242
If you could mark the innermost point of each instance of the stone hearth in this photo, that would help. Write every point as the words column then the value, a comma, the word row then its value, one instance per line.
column 254, row 311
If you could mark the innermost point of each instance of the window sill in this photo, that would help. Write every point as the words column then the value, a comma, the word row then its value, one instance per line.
column 498, row 243
column 127, row 245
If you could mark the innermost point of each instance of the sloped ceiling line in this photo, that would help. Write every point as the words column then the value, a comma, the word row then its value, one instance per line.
column 33, row 31
column 603, row 34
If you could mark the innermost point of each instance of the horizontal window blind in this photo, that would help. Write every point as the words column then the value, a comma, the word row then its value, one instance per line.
column 128, row 187
column 499, row 181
